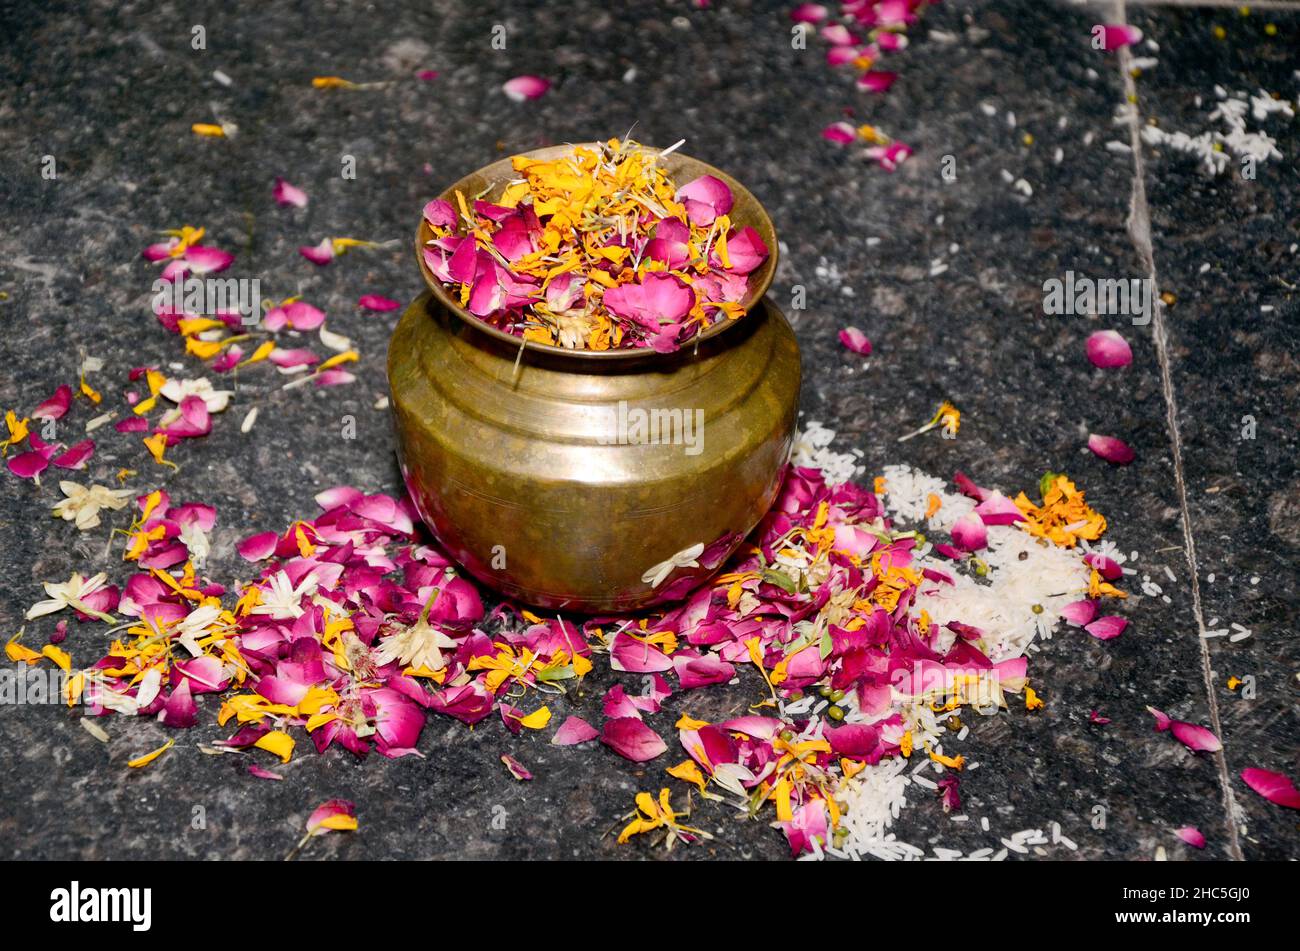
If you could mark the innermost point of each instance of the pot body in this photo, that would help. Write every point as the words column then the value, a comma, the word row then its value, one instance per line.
column 590, row 485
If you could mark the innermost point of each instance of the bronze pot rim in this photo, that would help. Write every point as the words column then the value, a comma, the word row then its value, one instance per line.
column 501, row 171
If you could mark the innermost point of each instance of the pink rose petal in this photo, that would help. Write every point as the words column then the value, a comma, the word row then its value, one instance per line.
column 997, row 509
column 969, row 533
column 319, row 254
column 1192, row 836
column 76, row 456
column 28, row 465
column 1080, row 613
column 56, row 406
column 376, row 303
column 1111, row 449
column 516, row 768
column 841, row 133
column 1115, row 35
column 626, row 653
column 1107, row 349
column 522, row 88
column 258, row 547
column 1196, row 738
column 329, row 810
column 705, row 198
column 630, row 738
column 837, row 33
column 1274, row 787
column 855, row 340
column 876, row 80
column 809, row 13
column 1105, row 628
column 286, row 194
column 573, row 731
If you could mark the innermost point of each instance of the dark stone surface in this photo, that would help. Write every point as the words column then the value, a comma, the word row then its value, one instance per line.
column 111, row 93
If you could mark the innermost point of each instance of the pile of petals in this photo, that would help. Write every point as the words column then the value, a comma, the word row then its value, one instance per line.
column 597, row 250
column 859, row 37
column 356, row 629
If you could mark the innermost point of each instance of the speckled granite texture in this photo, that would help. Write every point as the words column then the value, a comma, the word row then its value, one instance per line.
column 110, row 90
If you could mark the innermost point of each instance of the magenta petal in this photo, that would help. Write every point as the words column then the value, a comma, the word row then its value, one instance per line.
column 180, row 711
column 1111, row 449
column 838, row 34
column 809, row 13
column 75, row 457
column 28, row 465
column 1115, row 35
column 1107, row 349
column 320, row 254
column 997, row 509
column 842, row 55
column 1080, row 613
column 876, row 80
column 705, row 198
column 258, row 546
column 208, row 260
column 526, row 87
column 630, row 738
column 293, row 358
column 841, row 133
column 1107, row 567
column 1163, row 720
column 303, row 316
column 1192, row 836
column 626, row 653
column 1104, row 628
column 855, row 340
column 746, row 250
column 573, row 731
column 969, row 533
column 377, row 303
column 855, row 740
column 56, row 405
column 440, row 214
column 1274, row 787
column 1196, row 738
column 516, row 768
column 328, row 810
column 286, row 194
column 694, row 672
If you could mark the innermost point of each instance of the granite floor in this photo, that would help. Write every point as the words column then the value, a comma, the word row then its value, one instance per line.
column 1028, row 164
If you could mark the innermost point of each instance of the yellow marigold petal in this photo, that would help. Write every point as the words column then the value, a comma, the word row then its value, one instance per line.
column 208, row 129
column 537, row 719
column 59, row 656
column 688, row 771
column 277, row 742
column 332, row 82
column 148, row 758
column 688, row 723
column 349, row 356
column 339, row 823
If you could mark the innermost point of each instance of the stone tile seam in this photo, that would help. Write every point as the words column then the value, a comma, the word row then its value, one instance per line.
column 1139, row 228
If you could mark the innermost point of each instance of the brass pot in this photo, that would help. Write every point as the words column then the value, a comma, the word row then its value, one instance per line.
column 537, row 468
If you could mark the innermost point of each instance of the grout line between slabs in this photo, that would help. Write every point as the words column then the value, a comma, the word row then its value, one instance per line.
column 1139, row 228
